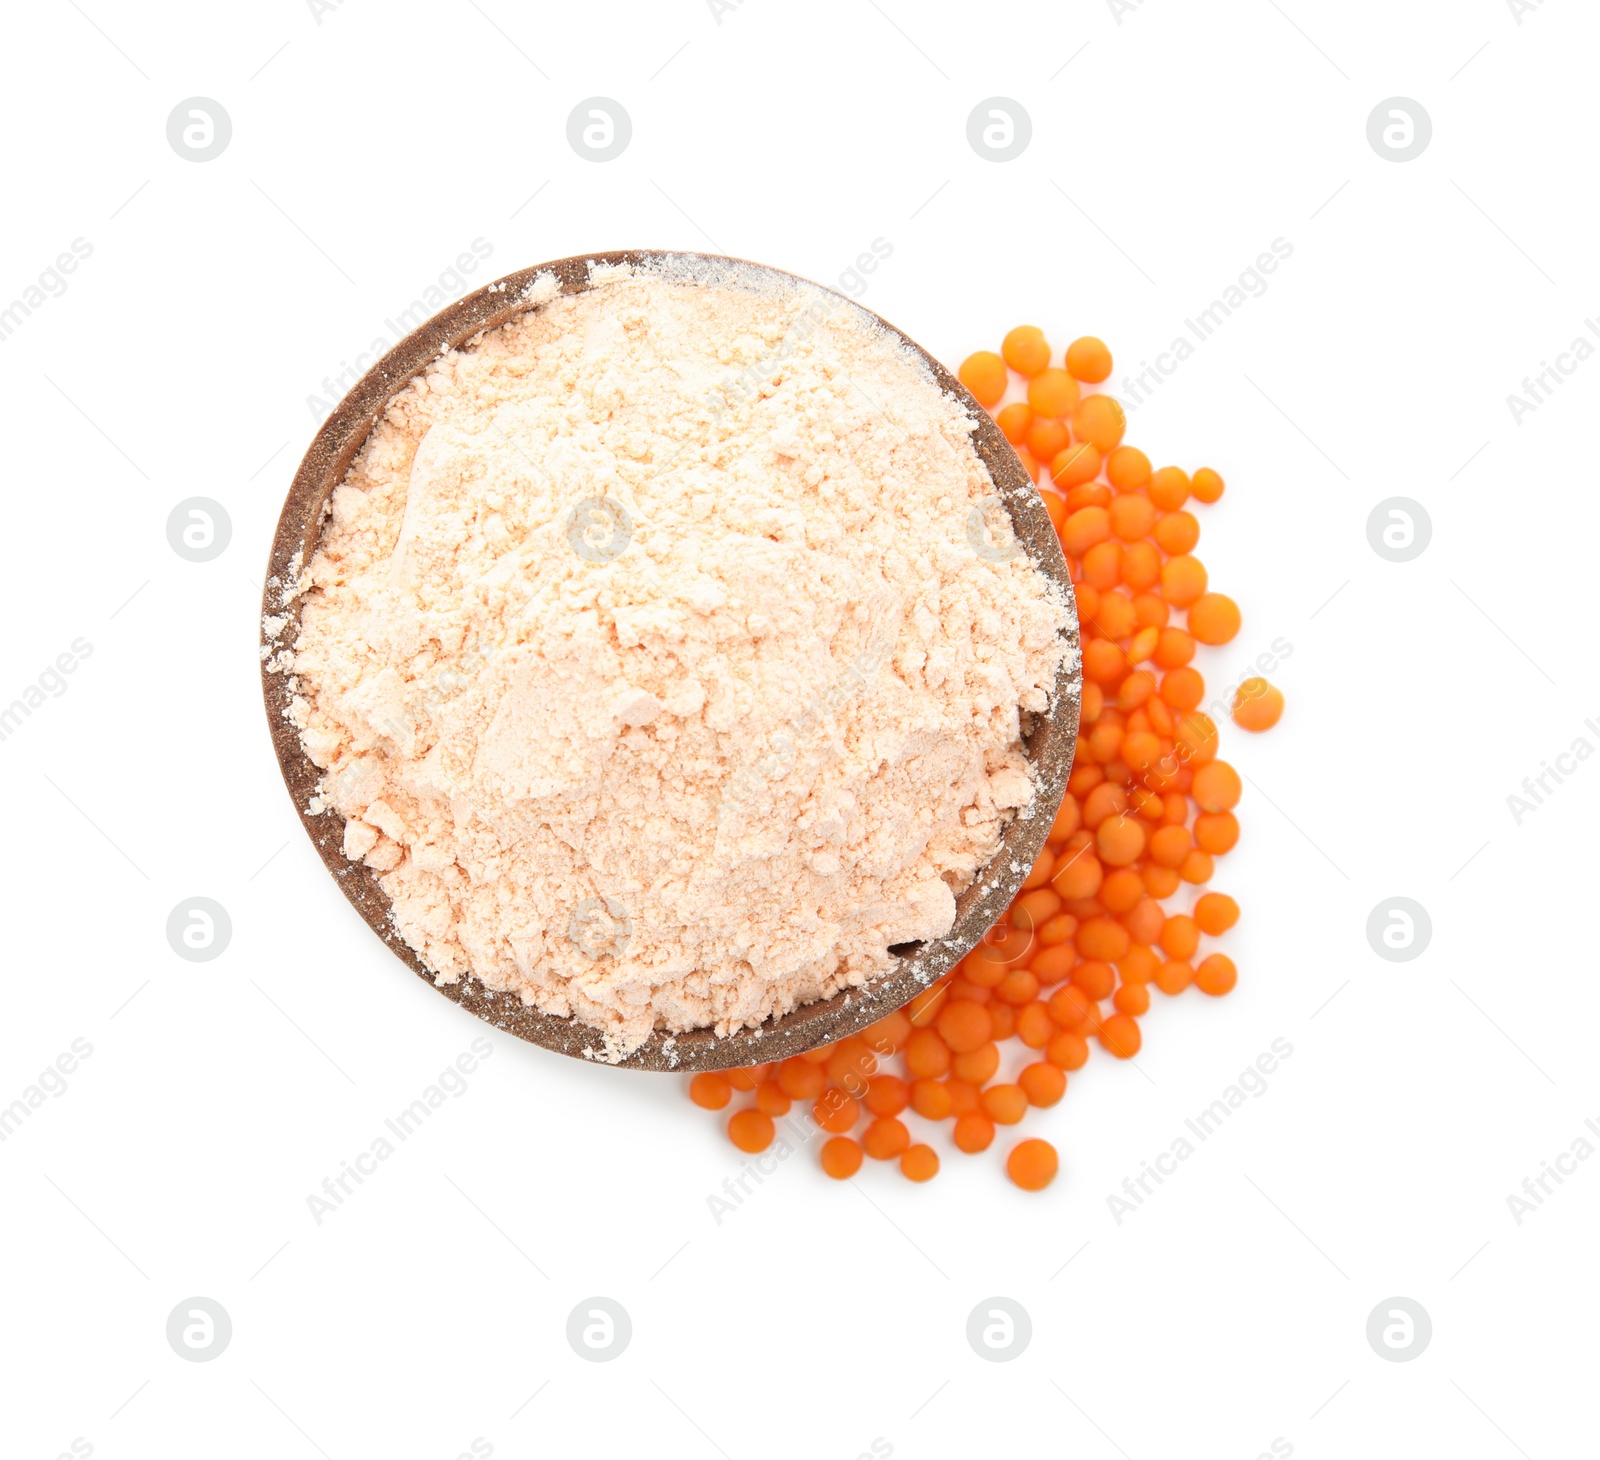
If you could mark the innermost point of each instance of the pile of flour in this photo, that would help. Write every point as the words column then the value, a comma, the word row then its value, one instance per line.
column 655, row 657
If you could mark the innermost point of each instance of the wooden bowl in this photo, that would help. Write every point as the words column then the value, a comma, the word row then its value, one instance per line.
column 1048, row 739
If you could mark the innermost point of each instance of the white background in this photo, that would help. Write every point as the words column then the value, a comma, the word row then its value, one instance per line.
column 1169, row 149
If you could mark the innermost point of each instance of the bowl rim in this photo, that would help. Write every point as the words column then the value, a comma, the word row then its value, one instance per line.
column 1049, row 743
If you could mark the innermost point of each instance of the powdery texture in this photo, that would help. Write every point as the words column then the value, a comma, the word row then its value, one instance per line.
column 717, row 775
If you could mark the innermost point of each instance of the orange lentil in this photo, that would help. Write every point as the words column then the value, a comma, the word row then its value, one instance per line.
column 1132, row 517
column 977, row 1066
column 1018, row 987
column 1182, row 689
column 984, row 374
column 1183, row 580
column 1132, row 999
column 1102, row 564
column 1197, row 742
column 1095, row 979
column 745, row 1078
column 1033, row 1164
column 1207, row 485
column 1120, row 841
column 1257, row 705
column 710, row 1091
column 1143, row 645
column 1141, row 566
column 1144, row 924
column 1197, row 868
column 1217, row 787
column 1047, row 438
column 841, row 1158
column 1169, row 488
column 1039, row 874
column 1035, row 1027
column 1174, row 648
column 801, row 1080
column 1068, row 1050
column 1128, row 469
column 1086, row 494
column 1060, row 929
column 1014, row 421
column 1104, row 802
column 1102, row 938
column 1139, row 963
column 887, row 1095
column 1099, row 419
column 963, row 1097
column 1032, row 910
column 927, row 1055
column 1121, row 891
column 1169, row 846
column 1151, row 610
column 973, row 1133
column 835, row 1111
column 1089, row 359
column 1069, row 1006
column 889, row 1033
column 1177, row 532
column 770, row 1099
column 1120, row 1036
column 964, row 1025
column 919, row 1163
column 1216, row 912
column 1051, row 965
column 1075, row 464
column 751, row 1130
column 1174, row 977
column 1116, row 618
column 1103, row 661
column 1214, row 618
column 1005, row 1020
column 1216, row 832
column 1042, row 1083
column 930, row 1099
column 1025, row 349
column 1216, row 975
column 1005, row 1104
column 885, row 1138
column 1181, row 936
column 1053, row 392
column 1084, row 529
column 1066, row 821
